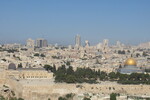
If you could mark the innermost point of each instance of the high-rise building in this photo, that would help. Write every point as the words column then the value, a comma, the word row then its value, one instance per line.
column 105, row 45
column 30, row 43
column 87, row 44
column 99, row 46
column 105, row 42
column 41, row 43
column 78, row 41
column 118, row 44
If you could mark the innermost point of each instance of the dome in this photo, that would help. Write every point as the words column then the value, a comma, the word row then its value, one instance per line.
column 130, row 62
column 12, row 66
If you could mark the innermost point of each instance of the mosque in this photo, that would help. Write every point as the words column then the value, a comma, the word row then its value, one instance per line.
column 27, row 73
column 130, row 66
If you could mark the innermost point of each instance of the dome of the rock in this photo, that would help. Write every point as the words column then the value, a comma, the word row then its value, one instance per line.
column 130, row 62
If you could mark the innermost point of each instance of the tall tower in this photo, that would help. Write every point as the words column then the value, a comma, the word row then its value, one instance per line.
column 30, row 43
column 105, row 45
column 41, row 43
column 78, row 41
column 118, row 44
column 105, row 42
column 87, row 44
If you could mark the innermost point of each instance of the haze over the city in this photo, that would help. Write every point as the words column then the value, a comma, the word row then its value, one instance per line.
column 59, row 21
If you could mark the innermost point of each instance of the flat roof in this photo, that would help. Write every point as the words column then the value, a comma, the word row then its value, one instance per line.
column 20, row 69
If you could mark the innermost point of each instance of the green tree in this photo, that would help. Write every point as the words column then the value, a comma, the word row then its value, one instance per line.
column 20, row 99
column 70, row 70
column 48, row 67
column 20, row 65
column 36, row 54
column 42, row 55
column 62, row 98
column 103, row 76
column 121, row 52
column 54, row 68
column 60, row 74
column 128, row 51
column 70, row 79
column 145, row 54
column 137, row 54
column 120, row 66
column 113, row 96
column 2, row 98
column 85, row 98
column 112, row 76
column 13, row 98
column 68, row 63
column 69, row 95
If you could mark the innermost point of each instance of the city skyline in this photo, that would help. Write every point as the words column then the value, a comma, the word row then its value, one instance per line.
column 74, row 50
column 59, row 22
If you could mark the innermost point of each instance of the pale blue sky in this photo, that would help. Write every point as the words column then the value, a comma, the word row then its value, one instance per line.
column 60, row 20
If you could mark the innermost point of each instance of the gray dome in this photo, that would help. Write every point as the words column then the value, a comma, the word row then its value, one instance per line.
column 12, row 66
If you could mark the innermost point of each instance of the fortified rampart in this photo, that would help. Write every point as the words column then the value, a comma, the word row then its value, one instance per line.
column 45, row 92
column 54, row 90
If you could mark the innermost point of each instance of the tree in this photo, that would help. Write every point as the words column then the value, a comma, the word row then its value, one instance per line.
column 147, row 70
column 60, row 74
column 70, row 70
column 85, row 98
column 121, row 52
column 42, row 55
column 103, row 75
column 113, row 96
column 61, row 98
column 13, row 98
column 20, row 65
column 48, row 67
column 145, row 54
column 4, row 60
column 88, row 75
column 54, row 68
column 70, row 79
column 137, row 54
column 69, row 95
column 36, row 54
column 112, row 76
column 120, row 66
column 68, row 63
column 20, row 99
column 2, row 98
column 128, row 51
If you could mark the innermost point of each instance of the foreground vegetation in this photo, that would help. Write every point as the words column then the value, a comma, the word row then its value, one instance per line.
column 81, row 75
column 10, row 98
column 67, row 97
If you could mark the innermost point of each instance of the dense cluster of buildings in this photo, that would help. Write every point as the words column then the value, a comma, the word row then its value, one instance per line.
column 25, row 62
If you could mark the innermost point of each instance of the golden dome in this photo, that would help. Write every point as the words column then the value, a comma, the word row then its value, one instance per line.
column 130, row 62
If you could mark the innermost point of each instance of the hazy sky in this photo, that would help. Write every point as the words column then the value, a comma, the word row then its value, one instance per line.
column 60, row 20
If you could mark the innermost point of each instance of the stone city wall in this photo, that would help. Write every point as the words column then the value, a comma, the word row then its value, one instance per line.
column 45, row 92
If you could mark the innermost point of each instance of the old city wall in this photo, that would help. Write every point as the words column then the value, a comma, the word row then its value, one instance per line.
column 56, row 90
column 43, row 92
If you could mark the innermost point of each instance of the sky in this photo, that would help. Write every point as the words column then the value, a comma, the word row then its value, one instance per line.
column 59, row 21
